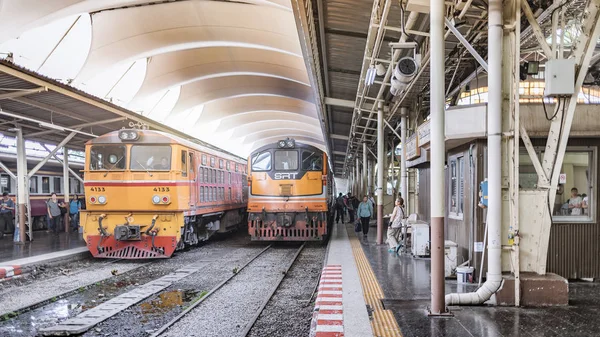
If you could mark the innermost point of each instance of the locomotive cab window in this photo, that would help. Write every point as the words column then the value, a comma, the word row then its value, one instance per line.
column 312, row 161
column 107, row 157
column 150, row 158
column 183, row 163
column 286, row 160
column 261, row 162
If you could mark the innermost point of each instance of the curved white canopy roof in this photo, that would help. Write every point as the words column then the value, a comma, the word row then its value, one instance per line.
column 230, row 73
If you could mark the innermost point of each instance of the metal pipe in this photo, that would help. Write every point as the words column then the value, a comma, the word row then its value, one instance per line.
column 380, row 169
column 365, row 170
column 494, row 158
column 66, row 186
column 21, row 186
column 9, row 172
column 403, row 171
column 53, row 152
column 358, row 175
column 438, row 153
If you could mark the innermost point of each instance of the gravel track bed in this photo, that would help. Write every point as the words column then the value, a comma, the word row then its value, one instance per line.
column 228, row 310
column 288, row 314
column 94, row 286
column 159, row 309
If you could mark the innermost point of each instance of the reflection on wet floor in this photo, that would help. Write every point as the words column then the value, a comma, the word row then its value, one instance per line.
column 406, row 285
column 167, row 301
column 44, row 243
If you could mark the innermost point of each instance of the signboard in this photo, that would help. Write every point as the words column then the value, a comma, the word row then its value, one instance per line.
column 4, row 181
column 562, row 178
column 423, row 132
column 412, row 147
column 478, row 247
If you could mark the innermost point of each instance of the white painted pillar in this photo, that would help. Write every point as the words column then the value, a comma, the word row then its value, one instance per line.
column 380, row 171
column 66, row 186
column 21, row 187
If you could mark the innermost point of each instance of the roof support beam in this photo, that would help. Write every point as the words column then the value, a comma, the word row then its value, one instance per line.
column 21, row 93
column 50, row 108
column 340, row 137
column 45, row 124
column 466, row 43
column 9, row 172
column 50, row 155
column 106, row 121
column 339, row 102
column 537, row 31
column 75, row 175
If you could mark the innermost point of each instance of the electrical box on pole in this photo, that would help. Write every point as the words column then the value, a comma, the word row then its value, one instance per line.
column 560, row 77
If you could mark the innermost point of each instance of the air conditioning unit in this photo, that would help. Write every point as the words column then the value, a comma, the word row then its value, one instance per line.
column 420, row 238
column 450, row 257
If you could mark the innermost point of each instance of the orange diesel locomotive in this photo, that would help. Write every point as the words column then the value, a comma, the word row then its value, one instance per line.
column 289, row 185
column 149, row 193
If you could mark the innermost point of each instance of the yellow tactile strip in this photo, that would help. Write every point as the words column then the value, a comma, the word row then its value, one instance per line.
column 383, row 322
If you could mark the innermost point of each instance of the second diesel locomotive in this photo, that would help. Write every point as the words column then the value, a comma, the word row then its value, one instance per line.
column 149, row 193
column 290, row 186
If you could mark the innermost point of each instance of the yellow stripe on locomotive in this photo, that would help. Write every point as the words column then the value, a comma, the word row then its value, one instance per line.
column 288, row 193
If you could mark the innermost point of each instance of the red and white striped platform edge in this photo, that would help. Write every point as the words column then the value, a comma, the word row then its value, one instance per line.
column 328, row 316
column 9, row 271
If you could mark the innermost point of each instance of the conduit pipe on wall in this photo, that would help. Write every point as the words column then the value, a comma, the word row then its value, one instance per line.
column 494, row 126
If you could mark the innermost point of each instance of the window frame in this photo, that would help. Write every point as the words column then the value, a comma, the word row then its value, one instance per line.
column 150, row 169
column 258, row 154
column 125, row 159
column 593, row 176
column 459, row 179
column 204, row 160
column 298, row 157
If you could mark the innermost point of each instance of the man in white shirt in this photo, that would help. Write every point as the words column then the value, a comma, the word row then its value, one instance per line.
column 575, row 202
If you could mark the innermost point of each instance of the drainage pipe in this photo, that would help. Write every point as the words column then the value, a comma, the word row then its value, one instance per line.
column 438, row 154
column 494, row 126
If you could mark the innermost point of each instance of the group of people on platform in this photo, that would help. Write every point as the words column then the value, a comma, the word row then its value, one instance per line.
column 364, row 213
column 56, row 212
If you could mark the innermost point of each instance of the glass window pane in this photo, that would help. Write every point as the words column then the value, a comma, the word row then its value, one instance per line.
column 33, row 184
column 57, row 185
column 286, row 160
column 107, row 157
column 453, row 187
column 184, row 163
column 150, row 158
column 45, row 184
column 312, row 161
column 261, row 162
column 573, row 196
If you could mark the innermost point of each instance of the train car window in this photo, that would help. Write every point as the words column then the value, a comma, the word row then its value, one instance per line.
column 312, row 161
column 200, row 174
column 107, row 157
column 221, row 163
column 33, row 185
column 230, row 193
column 229, row 178
column 206, row 193
column 184, row 169
column 191, row 162
column 57, row 185
column 237, row 167
column 222, row 176
column 201, row 193
column 150, row 158
column 204, row 159
column 5, row 183
column 260, row 162
column 212, row 161
column 286, row 160
column 206, row 175
column 45, row 184
column 228, row 166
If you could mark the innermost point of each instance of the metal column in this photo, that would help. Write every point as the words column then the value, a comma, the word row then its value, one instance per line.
column 358, row 179
column 66, row 186
column 370, row 178
column 380, row 169
column 438, row 154
column 403, row 171
column 21, row 186
column 365, row 170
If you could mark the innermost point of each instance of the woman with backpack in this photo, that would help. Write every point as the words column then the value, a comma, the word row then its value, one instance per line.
column 74, row 208
column 395, row 226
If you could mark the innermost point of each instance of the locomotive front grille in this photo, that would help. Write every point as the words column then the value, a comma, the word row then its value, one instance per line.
column 285, row 190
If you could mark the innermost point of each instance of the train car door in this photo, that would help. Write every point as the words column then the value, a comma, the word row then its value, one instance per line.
column 192, row 180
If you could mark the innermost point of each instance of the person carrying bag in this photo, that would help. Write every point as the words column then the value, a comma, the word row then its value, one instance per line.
column 395, row 228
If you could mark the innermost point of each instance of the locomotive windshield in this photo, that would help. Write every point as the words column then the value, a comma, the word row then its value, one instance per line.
column 311, row 161
column 150, row 158
column 261, row 161
column 286, row 160
column 107, row 157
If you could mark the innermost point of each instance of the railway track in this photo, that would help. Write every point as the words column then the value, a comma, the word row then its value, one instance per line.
column 174, row 327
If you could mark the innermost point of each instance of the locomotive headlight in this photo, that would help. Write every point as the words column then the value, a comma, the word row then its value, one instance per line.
column 102, row 199
column 128, row 135
column 282, row 143
column 155, row 199
column 290, row 144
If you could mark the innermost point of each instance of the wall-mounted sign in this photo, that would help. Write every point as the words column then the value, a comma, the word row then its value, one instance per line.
column 562, row 178
column 478, row 247
column 412, row 147
column 423, row 132
column 4, row 181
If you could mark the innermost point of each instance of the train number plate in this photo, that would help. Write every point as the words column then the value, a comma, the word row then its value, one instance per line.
column 162, row 189
column 97, row 189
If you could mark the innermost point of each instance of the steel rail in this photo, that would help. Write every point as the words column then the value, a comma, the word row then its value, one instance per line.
column 264, row 304
column 213, row 290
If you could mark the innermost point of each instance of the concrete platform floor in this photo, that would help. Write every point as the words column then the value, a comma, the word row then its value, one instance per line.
column 406, row 285
column 43, row 243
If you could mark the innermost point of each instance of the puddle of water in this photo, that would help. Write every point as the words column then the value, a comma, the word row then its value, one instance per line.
column 167, row 301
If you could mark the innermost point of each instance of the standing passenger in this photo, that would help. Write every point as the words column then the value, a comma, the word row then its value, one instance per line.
column 350, row 205
column 54, row 213
column 575, row 202
column 74, row 208
column 365, row 211
column 339, row 208
column 7, row 206
column 395, row 227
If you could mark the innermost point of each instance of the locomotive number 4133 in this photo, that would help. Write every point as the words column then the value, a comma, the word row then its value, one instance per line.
column 97, row 189
column 161, row 189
